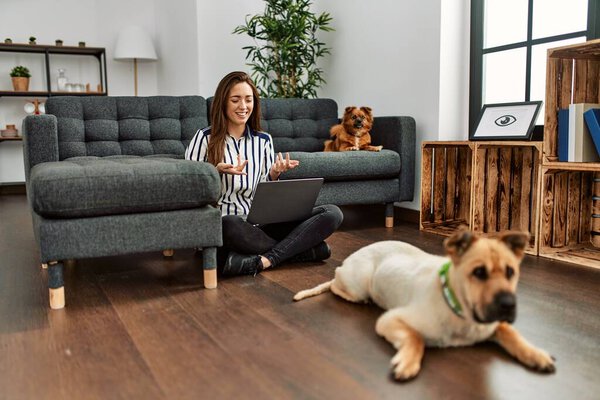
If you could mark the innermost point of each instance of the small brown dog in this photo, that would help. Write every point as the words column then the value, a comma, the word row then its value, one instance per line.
column 353, row 132
column 464, row 298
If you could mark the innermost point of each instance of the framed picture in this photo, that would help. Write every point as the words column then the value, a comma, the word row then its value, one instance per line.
column 507, row 121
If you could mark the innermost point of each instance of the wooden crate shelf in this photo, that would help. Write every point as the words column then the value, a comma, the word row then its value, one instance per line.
column 568, row 189
column 488, row 186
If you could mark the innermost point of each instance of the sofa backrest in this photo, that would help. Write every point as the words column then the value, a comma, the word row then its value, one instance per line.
column 105, row 126
column 297, row 124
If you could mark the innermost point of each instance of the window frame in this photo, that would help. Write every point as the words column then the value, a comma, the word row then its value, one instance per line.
column 477, row 51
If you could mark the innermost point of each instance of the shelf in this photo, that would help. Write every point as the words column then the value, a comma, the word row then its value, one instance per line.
column 571, row 166
column 583, row 51
column 12, row 93
column 584, row 255
column 18, row 138
column 42, row 48
column 46, row 51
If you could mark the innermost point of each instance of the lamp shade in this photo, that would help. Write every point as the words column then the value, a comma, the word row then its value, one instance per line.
column 134, row 43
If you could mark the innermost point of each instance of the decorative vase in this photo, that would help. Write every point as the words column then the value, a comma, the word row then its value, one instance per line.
column 61, row 80
column 20, row 84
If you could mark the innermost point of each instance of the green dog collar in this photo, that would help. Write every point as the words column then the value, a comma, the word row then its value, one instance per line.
column 448, row 292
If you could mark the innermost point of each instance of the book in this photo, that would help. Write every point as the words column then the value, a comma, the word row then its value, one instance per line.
column 592, row 120
column 584, row 148
column 565, row 153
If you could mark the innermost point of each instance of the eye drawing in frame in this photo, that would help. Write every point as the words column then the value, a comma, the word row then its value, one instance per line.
column 507, row 121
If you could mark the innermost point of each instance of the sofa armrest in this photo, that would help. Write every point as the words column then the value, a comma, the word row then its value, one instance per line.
column 40, row 140
column 398, row 134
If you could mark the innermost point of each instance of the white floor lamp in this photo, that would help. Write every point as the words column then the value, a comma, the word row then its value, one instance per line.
column 135, row 44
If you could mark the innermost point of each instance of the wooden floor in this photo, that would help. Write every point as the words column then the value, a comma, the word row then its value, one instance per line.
column 143, row 327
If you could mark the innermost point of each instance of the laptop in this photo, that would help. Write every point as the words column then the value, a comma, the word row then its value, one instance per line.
column 284, row 201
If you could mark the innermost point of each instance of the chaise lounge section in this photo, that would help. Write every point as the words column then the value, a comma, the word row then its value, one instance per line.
column 105, row 176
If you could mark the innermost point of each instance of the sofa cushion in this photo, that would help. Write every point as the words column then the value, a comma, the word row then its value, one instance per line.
column 93, row 186
column 346, row 165
column 298, row 124
column 104, row 126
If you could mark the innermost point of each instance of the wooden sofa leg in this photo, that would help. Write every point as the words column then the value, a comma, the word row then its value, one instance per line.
column 168, row 252
column 56, row 285
column 209, row 264
column 389, row 215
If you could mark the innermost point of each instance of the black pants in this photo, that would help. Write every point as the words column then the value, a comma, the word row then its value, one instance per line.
column 279, row 242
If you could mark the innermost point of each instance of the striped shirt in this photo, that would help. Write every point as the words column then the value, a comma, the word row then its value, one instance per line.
column 237, row 191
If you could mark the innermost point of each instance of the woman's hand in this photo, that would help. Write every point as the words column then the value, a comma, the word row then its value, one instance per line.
column 280, row 165
column 230, row 169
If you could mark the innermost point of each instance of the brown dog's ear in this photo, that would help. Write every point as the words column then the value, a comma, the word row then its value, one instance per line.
column 457, row 244
column 349, row 109
column 366, row 110
column 516, row 242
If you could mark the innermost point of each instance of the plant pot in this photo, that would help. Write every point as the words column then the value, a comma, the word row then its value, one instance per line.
column 8, row 41
column 58, row 43
column 20, row 84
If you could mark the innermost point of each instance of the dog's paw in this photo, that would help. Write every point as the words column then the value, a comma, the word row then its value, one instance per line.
column 404, row 366
column 378, row 148
column 539, row 360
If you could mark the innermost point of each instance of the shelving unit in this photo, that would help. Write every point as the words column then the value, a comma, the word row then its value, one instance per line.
column 98, row 52
column 567, row 190
column 490, row 186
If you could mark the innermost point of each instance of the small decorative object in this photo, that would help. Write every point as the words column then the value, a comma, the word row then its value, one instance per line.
column 58, row 42
column 61, row 80
column 81, row 44
column 507, row 121
column 20, row 78
column 35, row 107
column 31, row 39
column 8, row 40
column 10, row 131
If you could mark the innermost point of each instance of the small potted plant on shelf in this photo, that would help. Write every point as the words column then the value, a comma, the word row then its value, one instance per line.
column 31, row 39
column 58, row 42
column 20, row 78
column 8, row 40
column 81, row 44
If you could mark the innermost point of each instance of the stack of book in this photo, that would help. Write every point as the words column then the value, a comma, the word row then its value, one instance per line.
column 579, row 133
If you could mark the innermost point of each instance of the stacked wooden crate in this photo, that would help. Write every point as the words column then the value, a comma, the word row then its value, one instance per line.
column 568, row 188
column 488, row 186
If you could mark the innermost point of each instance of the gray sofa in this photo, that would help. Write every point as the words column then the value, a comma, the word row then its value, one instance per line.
column 300, row 126
column 105, row 175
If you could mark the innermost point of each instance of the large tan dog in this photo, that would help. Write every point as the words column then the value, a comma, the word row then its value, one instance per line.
column 437, row 301
column 354, row 131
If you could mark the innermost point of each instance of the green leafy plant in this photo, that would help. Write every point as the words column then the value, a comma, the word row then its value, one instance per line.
column 284, row 57
column 20, row 72
column 32, row 38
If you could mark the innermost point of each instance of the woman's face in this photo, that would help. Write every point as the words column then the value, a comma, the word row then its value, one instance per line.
column 240, row 103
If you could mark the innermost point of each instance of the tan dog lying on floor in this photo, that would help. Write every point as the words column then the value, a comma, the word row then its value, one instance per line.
column 353, row 132
column 439, row 301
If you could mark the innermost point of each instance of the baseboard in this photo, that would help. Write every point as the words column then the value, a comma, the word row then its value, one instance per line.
column 12, row 188
column 407, row 215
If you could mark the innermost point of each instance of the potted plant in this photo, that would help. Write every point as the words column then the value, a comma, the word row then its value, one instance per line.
column 58, row 42
column 20, row 78
column 284, row 57
column 8, row 40
column 31, row 39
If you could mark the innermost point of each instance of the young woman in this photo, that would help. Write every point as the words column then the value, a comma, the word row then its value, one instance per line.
column 244, row 156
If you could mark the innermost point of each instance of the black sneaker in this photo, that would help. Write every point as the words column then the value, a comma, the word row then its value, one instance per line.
column 320, row 252
column 240, row 264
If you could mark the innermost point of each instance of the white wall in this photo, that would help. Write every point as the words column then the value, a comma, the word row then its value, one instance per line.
column 399, row 57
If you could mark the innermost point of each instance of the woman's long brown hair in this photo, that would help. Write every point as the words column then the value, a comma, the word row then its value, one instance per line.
column 218, row 114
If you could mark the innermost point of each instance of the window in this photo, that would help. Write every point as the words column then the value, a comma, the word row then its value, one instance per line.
column 509, row 39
